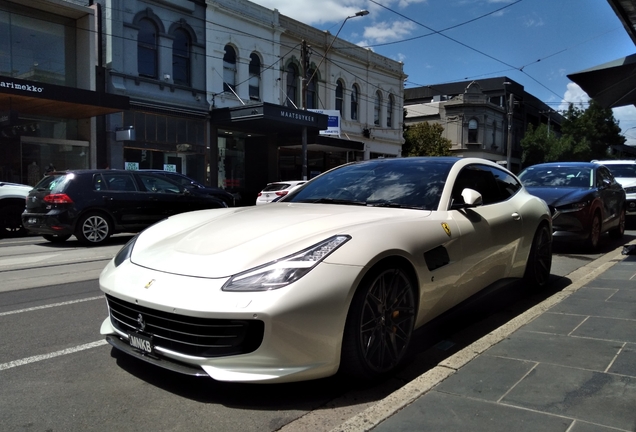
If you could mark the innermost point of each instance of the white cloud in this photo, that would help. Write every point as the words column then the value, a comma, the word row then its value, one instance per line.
column 386, row 32
column 575, row 95
column 329, row 11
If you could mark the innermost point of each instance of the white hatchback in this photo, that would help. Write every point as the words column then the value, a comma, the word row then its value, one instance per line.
column 277, row 190
column 625, row 173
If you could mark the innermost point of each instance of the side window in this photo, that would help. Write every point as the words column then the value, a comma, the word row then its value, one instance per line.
column 604, row 174
column 99, row 183
column 507, row 185
column 119, row 182
column 493, row 184
column 158, row 184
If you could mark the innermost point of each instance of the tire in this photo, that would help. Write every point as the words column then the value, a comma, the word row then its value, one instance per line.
column 595, row 233
column 537, row 274
column 379, row 325
column 617, row 233
column 56, row 238
column 93, row 229
column 11, row 220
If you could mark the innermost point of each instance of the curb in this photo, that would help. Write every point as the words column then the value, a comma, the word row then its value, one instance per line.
column 376, row 414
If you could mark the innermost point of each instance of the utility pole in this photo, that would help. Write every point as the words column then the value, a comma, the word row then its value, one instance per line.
column 511, row 101
column 304, row 57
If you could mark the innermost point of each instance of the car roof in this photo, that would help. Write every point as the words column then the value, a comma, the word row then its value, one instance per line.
column 615, row 161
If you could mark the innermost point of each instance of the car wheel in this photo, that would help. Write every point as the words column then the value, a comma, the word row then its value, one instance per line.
column 618, row 232
column 93, row 229
column 11, row 220
column 56, row 238
column 539, row 263
column 379, row 324
column 595, row 233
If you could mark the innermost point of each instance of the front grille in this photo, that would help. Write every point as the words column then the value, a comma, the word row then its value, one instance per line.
column 200, row 337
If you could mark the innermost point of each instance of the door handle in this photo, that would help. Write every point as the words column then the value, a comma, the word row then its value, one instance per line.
column 516, row 216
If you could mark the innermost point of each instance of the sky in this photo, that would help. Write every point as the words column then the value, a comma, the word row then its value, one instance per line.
column 536, row 43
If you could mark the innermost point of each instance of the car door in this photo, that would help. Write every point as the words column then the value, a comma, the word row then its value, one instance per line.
column 168, row 198
column 490, row 233
column 123, row 199
column 612, row 196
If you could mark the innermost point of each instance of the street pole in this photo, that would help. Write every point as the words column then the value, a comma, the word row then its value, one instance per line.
column 509, row 148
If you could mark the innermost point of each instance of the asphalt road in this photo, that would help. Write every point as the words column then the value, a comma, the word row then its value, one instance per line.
column 58, row 374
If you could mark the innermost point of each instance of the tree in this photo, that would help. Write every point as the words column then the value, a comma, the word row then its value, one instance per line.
column 425, row 139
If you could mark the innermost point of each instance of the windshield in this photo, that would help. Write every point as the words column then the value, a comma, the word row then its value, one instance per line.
column 557, row 176
column 54, row 183
column 626, row 170
column 402, row 182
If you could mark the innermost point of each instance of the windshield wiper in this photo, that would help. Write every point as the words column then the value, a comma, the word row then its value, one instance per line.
column 392, row 205
column 334, row 201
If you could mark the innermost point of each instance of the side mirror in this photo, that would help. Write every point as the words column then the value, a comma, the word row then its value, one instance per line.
column 470, row 197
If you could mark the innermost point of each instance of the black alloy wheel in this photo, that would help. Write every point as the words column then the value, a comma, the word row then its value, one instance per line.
column 379, row 325
column 93, row 229
column 539, row 264
column 595, row 233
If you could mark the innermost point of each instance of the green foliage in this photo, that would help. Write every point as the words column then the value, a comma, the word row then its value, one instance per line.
column 585, row 135
column 425, row 139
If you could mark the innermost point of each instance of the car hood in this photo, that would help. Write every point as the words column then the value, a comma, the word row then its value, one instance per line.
column 559, row 196
column 222, row 242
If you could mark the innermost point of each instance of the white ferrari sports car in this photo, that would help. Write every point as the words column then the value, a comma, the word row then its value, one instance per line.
column 334, row 277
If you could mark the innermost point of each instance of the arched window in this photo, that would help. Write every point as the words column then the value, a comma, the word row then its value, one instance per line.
column 255, row 77
column 181, row 57
column 377, row 108
column 340, row 96
column 389, row 111
column 355, row 95
column 229, row 69
column 473, row 125
column 312, row 91
column 292, row 86
column 147, row 49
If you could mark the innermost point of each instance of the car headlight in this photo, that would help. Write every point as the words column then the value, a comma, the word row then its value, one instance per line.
column 125, row 252
column 282, row 272
column 573, row 207
column 631, row 189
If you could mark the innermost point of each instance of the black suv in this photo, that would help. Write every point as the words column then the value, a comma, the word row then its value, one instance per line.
column 94, row 204
column 227, row 197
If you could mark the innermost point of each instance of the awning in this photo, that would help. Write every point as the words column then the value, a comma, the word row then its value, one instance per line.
column 329, row 144
column 267, row 118
column 611, row 84
column 42, row 99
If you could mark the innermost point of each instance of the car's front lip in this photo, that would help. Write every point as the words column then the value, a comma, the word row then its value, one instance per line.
column 303, row 323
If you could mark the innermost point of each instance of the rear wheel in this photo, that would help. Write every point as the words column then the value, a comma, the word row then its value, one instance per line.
column 11, row 220
column 380, row 324
column 56, row 238
column 93, row 229
column 618, row 232
column 539, row 263
column 595, row 233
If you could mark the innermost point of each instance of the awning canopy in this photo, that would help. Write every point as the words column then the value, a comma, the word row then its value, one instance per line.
column 329, row 144
column 611, row 84
column 42, row 99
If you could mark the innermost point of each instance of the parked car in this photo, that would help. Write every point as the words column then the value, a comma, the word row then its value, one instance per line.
column 94, row 204
column 277, row 190
column 336, row 276
column 584, row 197
column 625, row 173
column 228, row 198
column 12, row 196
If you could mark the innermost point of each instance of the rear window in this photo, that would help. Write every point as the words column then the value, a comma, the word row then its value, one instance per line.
column 276, row 187
column 54, row 183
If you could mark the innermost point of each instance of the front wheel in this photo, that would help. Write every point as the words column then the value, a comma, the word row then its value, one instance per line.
column 93, row 229
column 539, row 263
column 380, row 324
column 595, row 233
column 11, row 220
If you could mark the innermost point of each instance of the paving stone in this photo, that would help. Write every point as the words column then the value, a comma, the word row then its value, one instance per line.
column 624, row 295
column 574, row 305
column 608, row 329
column 596, row 397
column 625, row 363
column 437, row 411
column 601, row 294
column 580, row 426
column 555, row 323
column 557, row 349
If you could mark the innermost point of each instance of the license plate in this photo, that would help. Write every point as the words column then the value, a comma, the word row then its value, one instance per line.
column 32, row 220
column 141, row 342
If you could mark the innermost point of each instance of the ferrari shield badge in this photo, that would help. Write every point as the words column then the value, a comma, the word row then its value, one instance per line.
column 149, row 283
column 446, row 228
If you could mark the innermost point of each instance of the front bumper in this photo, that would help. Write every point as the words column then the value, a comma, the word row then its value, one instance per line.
column 303, row 323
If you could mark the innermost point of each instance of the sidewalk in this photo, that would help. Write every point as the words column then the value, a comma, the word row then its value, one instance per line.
column 568, row 364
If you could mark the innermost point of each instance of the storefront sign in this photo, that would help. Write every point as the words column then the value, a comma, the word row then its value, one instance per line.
column 170, row 167
column 132, row 166
column 333, row 123
column 29, row 88
column 8, row 118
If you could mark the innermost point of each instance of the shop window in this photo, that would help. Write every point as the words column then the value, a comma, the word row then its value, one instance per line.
column 389, row 111
column 355, row 95
column 292, row 86
column 340, row 96
column 181, row 57
column 473, row 127
column 377, row 108
column 255, row 77
column 147, row 49
column 229, row 70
